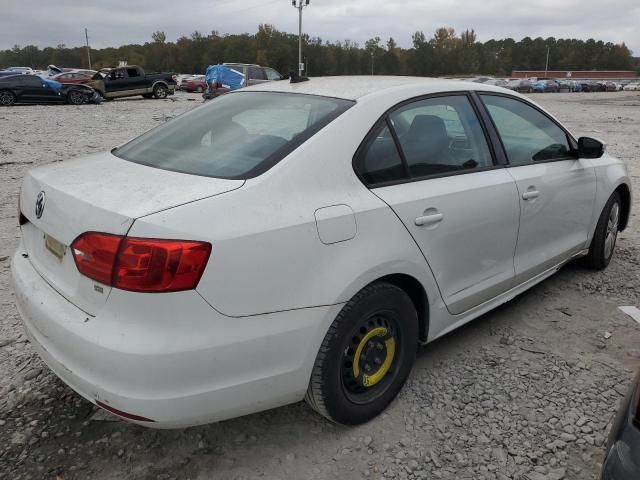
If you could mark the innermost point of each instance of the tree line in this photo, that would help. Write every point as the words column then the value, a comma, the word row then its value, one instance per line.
column 444, row 53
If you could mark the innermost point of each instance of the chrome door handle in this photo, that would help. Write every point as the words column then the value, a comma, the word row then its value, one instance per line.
column 429, row 219
column 530, row 194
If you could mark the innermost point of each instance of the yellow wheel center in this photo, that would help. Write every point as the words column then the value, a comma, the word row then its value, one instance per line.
column 374, row 356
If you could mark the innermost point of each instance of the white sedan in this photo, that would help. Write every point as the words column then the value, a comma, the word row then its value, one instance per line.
column 300, row 240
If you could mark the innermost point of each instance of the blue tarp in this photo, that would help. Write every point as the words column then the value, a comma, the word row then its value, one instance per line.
column 52, row 84
column 227, row 76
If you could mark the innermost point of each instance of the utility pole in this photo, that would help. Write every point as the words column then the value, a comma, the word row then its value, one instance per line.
column 546, row 66
column 371, row 62
column 86, row 36
column 299, row 4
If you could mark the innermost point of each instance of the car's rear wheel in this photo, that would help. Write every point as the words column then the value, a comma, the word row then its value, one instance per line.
column 74, row 97
column 365, row 356
column 160, row 91
column 605, row 236
column 7, row 98
column 199, row 90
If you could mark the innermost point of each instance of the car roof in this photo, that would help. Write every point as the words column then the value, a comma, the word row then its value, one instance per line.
column 357, row 87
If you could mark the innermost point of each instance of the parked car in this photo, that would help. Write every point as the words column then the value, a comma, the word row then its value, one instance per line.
column 247, row 75
column 73, row 77
column 132, row 80
column 564, row 86
column 33, row 89
column 545, row 86
column 27, row 70
column 611, row 87
column 179, row 283
column 622, row 460
column 255, row 74
column 194, row 84
column 497, row 82
column 631, row 87
column 520, row 85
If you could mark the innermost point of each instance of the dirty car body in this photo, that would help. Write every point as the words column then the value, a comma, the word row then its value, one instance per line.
column 290, row 241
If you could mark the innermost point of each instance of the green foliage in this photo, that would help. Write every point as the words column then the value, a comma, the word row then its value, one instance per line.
column 446, row 53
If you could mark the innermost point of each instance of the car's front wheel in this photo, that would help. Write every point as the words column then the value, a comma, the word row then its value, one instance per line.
column 605, row 236
column 7, row 98
column 365, row 356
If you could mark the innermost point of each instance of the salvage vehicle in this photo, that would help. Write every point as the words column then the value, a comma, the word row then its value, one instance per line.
column 131, row 80
column 300, row 240
column 33, row 89
column 81, row 77
column 520, row 86
column 196, row 84
column 545, row 86
column 622, row 461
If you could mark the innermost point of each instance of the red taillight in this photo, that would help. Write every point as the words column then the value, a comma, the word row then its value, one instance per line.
column 141, row 264
column 95, row 254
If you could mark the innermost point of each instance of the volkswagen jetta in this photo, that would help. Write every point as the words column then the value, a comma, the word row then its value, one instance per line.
column 300, row 240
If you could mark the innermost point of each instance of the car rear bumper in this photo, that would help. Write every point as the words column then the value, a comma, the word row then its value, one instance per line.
column 170, row 358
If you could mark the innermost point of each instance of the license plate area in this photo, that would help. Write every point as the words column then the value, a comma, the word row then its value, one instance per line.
column 54, row 246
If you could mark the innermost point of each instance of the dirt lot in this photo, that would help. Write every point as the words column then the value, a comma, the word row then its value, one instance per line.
column 524, row 392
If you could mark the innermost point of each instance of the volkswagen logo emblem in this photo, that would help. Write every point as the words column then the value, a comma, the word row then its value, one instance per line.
column 40, row 199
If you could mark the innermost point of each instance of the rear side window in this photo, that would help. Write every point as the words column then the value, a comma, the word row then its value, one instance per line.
column 527, row 134
column 132, row 72
column 238, row 135
column 380, row 161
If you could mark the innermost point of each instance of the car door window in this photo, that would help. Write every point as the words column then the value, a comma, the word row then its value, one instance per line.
column 440, row 135
column 380, row 161
column 132, row 73
column 527, row 134
column 256, row 73
column 272, row 74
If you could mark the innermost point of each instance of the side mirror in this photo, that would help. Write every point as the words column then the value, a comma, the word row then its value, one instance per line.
column 590, row 147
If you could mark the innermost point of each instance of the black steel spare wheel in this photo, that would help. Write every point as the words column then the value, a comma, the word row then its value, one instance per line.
column 366, row 355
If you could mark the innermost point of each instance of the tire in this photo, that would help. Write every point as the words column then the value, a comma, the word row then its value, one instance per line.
column 604, row 238
column 199, row 90
column 75, row 97
column 160, row 92
column 7, row 98
column 366, row 356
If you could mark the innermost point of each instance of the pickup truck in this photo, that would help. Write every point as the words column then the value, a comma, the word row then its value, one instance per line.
column 132, row 80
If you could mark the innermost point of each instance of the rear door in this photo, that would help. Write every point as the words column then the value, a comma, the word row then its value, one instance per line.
column 556, row 188
column 36, row 91
column 432, row 164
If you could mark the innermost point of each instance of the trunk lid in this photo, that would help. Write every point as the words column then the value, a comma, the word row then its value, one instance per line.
column 100, row 193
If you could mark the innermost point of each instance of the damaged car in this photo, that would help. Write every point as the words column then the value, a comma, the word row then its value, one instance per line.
column 33, row 89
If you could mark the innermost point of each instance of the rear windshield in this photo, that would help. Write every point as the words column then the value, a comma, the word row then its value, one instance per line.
column 238, row 135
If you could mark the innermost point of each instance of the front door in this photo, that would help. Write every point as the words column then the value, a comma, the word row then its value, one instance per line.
column 460, row 208
column 556, row 189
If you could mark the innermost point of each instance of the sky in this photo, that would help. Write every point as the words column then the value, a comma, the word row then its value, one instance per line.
column 118, row 22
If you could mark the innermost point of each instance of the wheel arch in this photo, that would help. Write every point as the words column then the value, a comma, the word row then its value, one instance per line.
column 418, row 295
column 625, row 196
column 159, row 82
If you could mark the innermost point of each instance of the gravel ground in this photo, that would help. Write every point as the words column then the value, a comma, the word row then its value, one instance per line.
column 524, row 392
